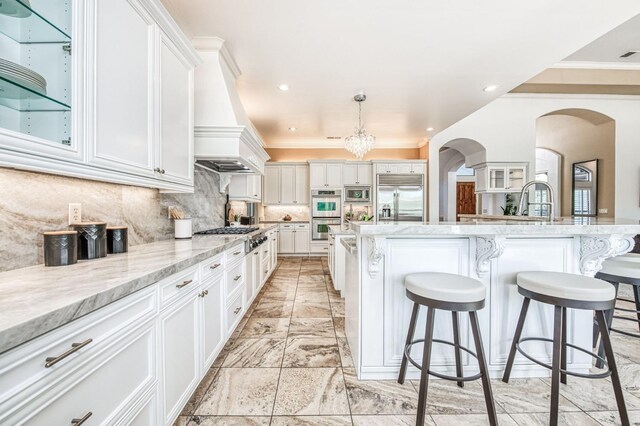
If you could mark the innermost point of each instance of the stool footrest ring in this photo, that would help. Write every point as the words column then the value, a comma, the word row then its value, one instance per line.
column 567, row 372
column 407, row 351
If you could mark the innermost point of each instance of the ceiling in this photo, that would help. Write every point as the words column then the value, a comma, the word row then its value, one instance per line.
column 610, row 46
column 421, row 63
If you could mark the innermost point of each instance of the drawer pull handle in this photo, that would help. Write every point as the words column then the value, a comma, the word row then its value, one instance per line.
column 256, row 253
column 266, row 251
column 214, row 266
column 78, row 422
column 237, row 277
column 203, row 293
column 266, row 271
column 238, row 309
column 184, row 283
column 53, row 360
column 235, row 253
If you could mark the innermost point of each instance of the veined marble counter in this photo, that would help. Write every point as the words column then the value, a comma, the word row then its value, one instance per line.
column 38, row 299
column 285, row 221
column 563, row 226
column 344, row 229
column 517, row 218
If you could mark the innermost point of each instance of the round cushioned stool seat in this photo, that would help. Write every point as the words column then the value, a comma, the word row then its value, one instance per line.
column 567, row 286
column 445, row 287
column 621, row 268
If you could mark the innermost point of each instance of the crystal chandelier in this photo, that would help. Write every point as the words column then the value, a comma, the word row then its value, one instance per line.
column 360, row 142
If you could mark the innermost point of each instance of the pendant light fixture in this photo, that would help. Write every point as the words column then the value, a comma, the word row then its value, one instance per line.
column 360, row 142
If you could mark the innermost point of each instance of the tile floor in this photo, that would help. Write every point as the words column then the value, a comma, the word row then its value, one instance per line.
column 288, row 363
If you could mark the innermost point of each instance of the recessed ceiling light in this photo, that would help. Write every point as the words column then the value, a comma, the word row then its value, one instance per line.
column 283, row 87
column 490, row 88
column 429, row 129
column 293, row 129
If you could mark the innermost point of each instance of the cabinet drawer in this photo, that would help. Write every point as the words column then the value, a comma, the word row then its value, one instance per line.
column 302, row 226
column 178, row 285
column 234, row 278
column 265, row 268
column 288, row 226
column 23, row 373
column 100, row 392
column 264, row 251
column 234, row 313
column 213, row 266
column 234, row 253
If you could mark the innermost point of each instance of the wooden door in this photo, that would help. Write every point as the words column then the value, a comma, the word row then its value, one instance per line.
column 465, row 198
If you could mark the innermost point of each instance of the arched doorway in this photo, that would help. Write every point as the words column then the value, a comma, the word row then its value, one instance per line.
column 456, row 178
column 575, row 135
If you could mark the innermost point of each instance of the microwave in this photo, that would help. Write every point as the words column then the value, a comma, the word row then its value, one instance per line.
column 357, row 194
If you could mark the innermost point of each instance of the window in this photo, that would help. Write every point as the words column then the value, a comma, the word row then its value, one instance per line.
column 541, row 195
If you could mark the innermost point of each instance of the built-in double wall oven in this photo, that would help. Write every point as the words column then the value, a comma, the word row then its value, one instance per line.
column 326, row 208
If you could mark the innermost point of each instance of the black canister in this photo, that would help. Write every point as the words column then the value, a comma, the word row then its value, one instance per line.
column 92, row 239
column 60, row 248
column 117, row 239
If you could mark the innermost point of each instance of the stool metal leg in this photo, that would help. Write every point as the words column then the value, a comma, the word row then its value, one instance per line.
column 608, row 316
column 410, row 333
column 486, row 382
column 516, row 338
column 555, row 365
column 636, row 292
column 563, row 349
column 424, row 372
column 456, row 340
column 615, row 378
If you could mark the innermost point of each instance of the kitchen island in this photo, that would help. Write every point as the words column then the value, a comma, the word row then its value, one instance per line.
column 378, row 311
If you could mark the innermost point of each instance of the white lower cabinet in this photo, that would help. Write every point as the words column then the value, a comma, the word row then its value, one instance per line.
column 212, row 333
column 293, row 238
column 140, row 358
column 179, row 334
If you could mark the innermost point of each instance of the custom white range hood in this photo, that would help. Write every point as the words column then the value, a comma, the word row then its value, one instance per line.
column 225, row 139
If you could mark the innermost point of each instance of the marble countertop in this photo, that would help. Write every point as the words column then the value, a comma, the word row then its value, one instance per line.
column 563, row 226
column 285, row 221
column 503, row 217
column 344, row 229
column 38, row 299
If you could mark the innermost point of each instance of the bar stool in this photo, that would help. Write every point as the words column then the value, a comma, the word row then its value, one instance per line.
column 619, row 270
column 454, row 293
column 563, row 290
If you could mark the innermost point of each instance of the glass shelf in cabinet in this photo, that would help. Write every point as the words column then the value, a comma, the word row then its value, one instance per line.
column 24, row 25
column 23, row 99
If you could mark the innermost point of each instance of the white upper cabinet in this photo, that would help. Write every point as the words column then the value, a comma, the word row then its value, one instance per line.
column 119, row 105
column 357, row 174
column 271, row 193
column 401, row 167
column 326, row 175
column 286, row 184
column 124, row 95
column 246, row 188
column 302, row 185
column 176, row 114
column 501, row 177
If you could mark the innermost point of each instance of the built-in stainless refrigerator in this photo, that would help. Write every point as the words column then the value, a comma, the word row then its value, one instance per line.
column 400, row 198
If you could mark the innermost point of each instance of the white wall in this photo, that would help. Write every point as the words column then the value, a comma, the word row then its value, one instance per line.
column 507, row 129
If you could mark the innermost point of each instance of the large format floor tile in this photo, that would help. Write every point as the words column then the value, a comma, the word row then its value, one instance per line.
column 311, row 391
column 289, row 363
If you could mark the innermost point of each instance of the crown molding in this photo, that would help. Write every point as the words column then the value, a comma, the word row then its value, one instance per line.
column 585, row 96
column 597, row 65
column 216, row 44
column 166, row 22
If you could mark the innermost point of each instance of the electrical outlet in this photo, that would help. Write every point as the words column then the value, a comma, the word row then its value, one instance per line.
column 603, row 211
column 75, row 213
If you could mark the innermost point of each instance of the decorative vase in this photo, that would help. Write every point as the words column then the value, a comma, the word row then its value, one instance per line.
column 183, row 228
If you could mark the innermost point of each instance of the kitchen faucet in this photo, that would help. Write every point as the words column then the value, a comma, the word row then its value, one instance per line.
column 546, row 203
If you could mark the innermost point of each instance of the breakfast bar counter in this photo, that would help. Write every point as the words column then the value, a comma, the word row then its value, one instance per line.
column 378, row 311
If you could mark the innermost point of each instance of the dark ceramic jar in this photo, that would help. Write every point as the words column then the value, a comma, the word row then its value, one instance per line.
column 60, row 248
column 92, row 239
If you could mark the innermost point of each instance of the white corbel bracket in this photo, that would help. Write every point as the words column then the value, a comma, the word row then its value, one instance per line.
column 225, row 180
column 487, row 249
column 376, row 246
column 595, row 249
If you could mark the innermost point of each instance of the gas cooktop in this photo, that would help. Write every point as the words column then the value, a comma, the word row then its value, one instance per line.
column 228, row 230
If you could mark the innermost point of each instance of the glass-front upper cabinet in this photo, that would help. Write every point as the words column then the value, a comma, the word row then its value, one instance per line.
column 35, row 68
column 501, row 177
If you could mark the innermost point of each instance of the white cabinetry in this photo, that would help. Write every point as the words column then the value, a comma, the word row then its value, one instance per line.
column 400, row 167
column 286, row 184
column 246, row 188
column 293, row 238
column 131, row 89
column 354, row 173
column 501, row 177
column 325, row 174
column 212, row 333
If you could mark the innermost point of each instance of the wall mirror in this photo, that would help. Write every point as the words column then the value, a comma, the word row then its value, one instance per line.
column 585, row 188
